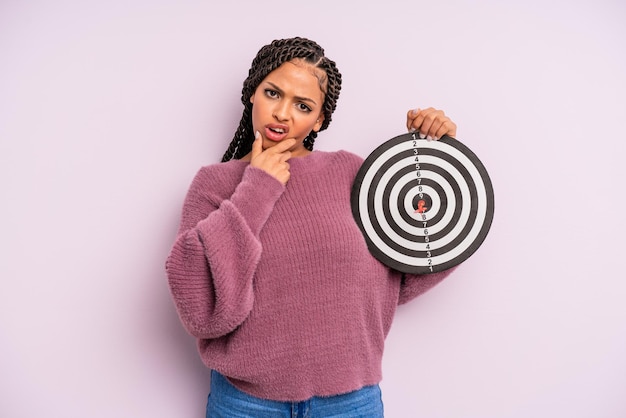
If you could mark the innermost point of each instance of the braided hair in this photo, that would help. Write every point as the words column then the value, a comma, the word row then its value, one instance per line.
column 269, row 58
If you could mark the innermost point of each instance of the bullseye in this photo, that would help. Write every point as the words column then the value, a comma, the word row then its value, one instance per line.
column 420, row 203
column 423, row 206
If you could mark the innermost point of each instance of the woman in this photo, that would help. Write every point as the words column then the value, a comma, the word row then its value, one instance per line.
column 269, row 270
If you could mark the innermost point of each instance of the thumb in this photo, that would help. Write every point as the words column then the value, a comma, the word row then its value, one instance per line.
column 257, row 145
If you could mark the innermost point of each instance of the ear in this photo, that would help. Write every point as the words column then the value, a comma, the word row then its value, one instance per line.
column 318, row 123
column 252, row 98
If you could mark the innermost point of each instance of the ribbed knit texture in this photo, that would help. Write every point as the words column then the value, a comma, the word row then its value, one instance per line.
column 277, row 283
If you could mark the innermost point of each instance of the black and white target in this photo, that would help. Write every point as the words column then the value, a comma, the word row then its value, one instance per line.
column 423, row 206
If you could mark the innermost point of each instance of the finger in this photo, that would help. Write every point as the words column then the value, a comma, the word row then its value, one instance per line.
column 257, row 145
column 281, row 172
column 428, row 116
column 284, row 177
column 433, row 129
column 434, row 120
column 410, row 117
column 423, row 121
column 416, row 124
column 284, row 156
column 447, row 128
column 283, row 146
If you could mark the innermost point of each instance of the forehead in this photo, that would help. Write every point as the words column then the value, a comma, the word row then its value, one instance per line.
column 298, row 75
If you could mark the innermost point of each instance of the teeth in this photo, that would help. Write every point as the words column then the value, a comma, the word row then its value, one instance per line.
column 278, row 130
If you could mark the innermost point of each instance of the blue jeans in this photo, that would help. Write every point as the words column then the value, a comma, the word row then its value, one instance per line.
column 226, row 401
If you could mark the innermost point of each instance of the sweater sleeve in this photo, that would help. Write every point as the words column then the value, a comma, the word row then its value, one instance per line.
column 212, row 263
column 414, row 285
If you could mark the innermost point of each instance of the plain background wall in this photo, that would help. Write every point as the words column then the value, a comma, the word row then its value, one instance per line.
column 107, row 110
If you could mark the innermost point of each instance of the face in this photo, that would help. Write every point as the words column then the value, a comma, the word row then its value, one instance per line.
column 288, row 104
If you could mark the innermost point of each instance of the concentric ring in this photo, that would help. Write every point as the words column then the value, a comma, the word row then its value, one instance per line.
column 423, row 206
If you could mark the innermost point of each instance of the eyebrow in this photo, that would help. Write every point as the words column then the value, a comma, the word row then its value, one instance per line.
column 302, row 99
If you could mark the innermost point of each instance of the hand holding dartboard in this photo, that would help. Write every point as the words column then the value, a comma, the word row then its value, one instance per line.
column 423, row 206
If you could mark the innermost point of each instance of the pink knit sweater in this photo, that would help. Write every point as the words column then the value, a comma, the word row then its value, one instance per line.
column 276, row 282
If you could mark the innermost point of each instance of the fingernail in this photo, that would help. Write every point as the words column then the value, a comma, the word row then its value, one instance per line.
column 429, row 138
column 436, row 138
column 422, row 135
column 257, row 134
column 411, row 130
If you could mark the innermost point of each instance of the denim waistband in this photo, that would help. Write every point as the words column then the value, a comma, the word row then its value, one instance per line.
column 226, row 401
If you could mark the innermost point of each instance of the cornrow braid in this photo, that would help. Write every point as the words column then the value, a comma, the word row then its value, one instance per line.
column 269, row 58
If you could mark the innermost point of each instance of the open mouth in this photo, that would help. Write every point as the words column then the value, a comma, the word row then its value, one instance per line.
column 276, row 133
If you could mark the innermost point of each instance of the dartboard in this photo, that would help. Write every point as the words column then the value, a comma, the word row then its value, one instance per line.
column 423, row 206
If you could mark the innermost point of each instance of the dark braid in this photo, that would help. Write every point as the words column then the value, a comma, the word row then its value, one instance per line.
column 269, row 58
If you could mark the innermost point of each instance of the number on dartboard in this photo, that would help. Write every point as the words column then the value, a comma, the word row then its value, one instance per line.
column 420, row 189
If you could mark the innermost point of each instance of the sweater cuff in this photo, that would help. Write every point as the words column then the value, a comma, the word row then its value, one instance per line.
column 255, row 197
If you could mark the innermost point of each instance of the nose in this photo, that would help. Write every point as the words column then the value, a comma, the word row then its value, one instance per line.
column 281, row 111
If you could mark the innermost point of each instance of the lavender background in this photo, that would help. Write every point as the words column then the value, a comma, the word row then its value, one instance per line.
column 107, row 109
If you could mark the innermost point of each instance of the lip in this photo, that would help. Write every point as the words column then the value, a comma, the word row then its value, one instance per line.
column 275, row 136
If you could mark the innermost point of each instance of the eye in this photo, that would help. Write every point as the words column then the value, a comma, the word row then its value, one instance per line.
column 271, row 93
column 304, row 108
